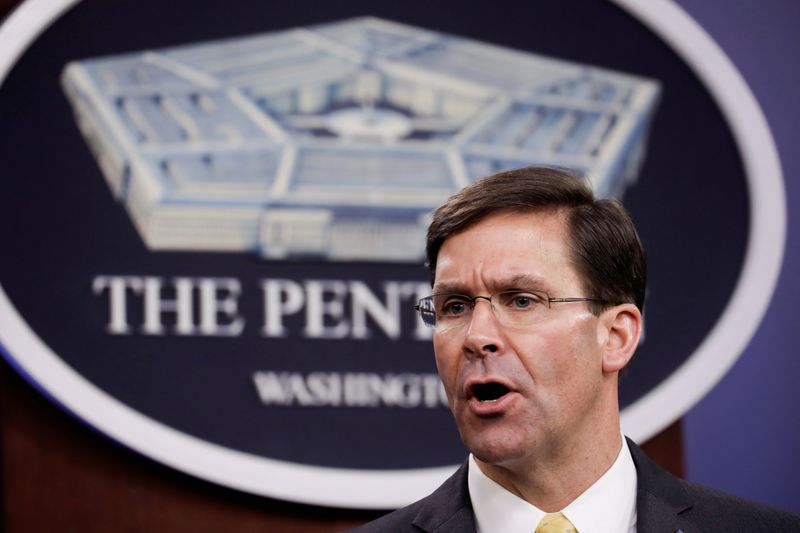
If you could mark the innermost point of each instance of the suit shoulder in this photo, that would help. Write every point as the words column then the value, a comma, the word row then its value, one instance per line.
column 665, row 500
column 399, row 521
column 713, row 507
column 448, row 507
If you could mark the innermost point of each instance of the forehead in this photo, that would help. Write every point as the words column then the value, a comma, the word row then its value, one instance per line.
column 502, row 249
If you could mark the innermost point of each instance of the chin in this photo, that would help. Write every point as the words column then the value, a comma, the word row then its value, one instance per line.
column 496, row 449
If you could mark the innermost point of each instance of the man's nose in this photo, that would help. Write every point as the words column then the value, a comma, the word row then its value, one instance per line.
column 483, row 332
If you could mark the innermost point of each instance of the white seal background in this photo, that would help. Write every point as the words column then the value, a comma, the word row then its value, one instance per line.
column 387, row 489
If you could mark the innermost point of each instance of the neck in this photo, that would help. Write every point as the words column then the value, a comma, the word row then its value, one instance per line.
column 556, row 475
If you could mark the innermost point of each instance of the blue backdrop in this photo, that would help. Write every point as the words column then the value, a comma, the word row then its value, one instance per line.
column 744, row 436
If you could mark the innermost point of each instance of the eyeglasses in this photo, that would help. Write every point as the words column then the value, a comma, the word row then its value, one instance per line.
column 512, row 307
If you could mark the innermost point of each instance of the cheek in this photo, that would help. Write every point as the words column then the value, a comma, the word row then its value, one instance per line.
column 441, row 352
column 539, row 352
column 559, row 355
column 446, row 350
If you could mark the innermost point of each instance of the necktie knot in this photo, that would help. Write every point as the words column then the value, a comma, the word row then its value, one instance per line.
column 555, row 523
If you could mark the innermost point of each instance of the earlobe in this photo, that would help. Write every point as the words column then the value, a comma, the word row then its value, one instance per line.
column 623, row 325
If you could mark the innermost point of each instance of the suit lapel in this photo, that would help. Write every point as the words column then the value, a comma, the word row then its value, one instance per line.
column 661, row 500
column 449, row 508
column 662, row 504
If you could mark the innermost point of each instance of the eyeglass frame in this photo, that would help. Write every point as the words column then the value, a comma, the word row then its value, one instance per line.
column 472, row 300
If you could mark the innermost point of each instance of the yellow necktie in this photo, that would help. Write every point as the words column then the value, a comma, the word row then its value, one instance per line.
column 555, row 523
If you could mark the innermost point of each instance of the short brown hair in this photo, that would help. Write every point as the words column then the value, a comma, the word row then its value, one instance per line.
column 606, row 250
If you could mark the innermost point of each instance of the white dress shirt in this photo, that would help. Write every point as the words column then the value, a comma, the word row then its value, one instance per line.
column 608, row 506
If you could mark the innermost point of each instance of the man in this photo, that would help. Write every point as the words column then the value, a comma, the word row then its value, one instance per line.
column 537, row 301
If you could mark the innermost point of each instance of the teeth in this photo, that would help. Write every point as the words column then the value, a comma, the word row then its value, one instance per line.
column 488, row 401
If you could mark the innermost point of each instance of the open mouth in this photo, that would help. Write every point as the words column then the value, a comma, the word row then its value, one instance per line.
column 489, row 392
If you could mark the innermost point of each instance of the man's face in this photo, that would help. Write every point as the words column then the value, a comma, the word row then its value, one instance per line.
column 550, row 373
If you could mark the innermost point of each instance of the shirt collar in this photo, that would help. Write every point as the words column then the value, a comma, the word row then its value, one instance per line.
column 608, row 506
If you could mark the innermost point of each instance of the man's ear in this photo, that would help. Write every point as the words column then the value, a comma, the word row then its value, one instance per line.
column 622, row 326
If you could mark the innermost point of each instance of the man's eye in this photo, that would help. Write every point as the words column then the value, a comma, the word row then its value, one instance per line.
column 520, row 301
column 453, row 307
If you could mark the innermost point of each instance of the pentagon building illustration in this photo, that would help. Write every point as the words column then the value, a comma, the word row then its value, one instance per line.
column 337, row 141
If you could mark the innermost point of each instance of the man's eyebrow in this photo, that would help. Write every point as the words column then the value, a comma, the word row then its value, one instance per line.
column 518, row 281
column 449, row 288
column 524, row 281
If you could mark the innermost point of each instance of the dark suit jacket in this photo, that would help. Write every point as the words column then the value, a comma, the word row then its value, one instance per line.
column 664, row 503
